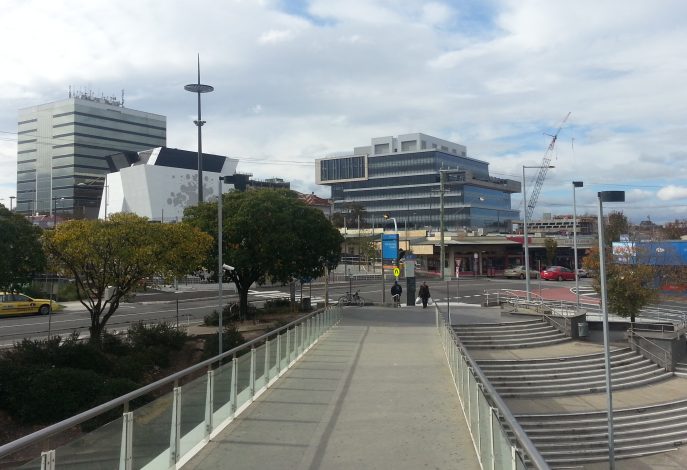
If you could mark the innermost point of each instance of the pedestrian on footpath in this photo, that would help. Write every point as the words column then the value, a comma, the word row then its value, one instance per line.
column 424, row 294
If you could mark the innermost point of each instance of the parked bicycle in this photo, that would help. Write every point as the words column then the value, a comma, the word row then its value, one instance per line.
column 352, row 299
column 397, row 300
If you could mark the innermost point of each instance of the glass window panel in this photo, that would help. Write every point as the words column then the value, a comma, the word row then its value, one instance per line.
column 151, row 433
column 259, row 367
column 485, row 431
column 502, row 447
column 243, row 379
column 99, row 449
column 222, row 393
column 193, row 401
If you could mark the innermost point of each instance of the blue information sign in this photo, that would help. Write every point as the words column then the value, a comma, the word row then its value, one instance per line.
column 390, row 246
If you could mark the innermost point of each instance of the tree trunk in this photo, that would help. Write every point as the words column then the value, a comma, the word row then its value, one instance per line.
column 243, row 301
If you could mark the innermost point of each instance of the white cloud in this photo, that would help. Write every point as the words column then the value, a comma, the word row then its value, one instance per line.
column 671, row 193
column 294, row 85
column 275, row 36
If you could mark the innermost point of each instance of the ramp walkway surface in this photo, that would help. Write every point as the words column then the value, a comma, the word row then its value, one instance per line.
column 375, row 393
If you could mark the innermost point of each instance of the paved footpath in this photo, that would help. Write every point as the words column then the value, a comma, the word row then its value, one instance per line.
column 374, row 393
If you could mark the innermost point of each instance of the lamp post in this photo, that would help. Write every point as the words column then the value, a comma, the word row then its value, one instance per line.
column 198, row 88
column 12, row 198
column 524, row 229
column 54, row 210
column 221, row 267
column 576, row 184
column 607, row 196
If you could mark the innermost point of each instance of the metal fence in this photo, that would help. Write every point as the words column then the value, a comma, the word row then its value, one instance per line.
column 499, row 440
column 190, row 407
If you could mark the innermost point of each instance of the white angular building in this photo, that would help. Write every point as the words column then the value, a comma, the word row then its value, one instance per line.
column 160, row 183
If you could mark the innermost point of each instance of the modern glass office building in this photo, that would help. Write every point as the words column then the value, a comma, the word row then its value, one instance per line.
column 400, row 176
column 62, row 146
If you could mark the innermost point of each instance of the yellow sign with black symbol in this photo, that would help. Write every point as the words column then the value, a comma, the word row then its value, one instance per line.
column 397, row 272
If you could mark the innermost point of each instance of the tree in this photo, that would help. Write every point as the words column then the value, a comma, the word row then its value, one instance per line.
column 616, row 226
column 21, row 253
column 675, row 230
column 269, row 234
column 551, row 245
column 629, row 287
column 107, row 259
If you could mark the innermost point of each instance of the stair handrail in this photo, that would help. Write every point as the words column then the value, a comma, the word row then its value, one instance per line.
column 520, row 435
column 666, row 353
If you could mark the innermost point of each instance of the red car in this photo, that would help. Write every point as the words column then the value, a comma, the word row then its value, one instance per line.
column 558, row 273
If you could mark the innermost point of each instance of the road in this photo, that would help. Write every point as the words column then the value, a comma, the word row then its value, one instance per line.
column 194, row 302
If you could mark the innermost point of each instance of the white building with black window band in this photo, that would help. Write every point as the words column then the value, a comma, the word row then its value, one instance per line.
column 400, row 176
column 62, row 146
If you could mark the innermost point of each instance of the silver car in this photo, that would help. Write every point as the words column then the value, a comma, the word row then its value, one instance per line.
column 519, row 272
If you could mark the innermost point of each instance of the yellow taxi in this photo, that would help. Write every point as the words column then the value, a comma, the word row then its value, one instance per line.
column 13, row 303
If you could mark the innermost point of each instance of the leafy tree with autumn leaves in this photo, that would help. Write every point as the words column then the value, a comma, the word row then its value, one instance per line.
column 268, row 234
column 629, row 285
column 107, row 259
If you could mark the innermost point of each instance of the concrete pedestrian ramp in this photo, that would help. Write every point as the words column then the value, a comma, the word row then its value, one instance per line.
column 375, row 393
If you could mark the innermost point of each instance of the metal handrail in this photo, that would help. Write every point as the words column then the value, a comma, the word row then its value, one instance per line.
column 44, row 433
column 520, row 435
column 666, row 353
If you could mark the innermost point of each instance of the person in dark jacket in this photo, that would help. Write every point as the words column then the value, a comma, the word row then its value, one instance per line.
column 396, row 290
column 424, row 294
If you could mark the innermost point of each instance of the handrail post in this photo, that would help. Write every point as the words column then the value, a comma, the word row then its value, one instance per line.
column 209, row 401
column 126, row 447
column 175, row 429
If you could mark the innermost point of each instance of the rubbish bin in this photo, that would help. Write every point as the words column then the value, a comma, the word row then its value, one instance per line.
column 582, row 329
column 305, row 303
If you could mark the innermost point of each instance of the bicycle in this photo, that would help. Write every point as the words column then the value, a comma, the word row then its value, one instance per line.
column 352, row 299
column 397, row 300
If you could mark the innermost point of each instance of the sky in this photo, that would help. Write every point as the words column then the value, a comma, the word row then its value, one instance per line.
column 299, row 80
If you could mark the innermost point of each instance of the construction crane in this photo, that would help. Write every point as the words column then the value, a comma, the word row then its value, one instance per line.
column 543, row 169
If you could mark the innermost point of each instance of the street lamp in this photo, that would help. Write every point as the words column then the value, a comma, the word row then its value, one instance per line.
column 576, row 184
column 221, row 267
column 54, row 210
column 386, row 217
column 12, row 198
column 524, row 229
column 198, row 88
column 607, row 196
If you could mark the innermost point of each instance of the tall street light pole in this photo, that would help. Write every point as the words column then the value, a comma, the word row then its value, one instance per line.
column 576, row 184
column 198, row 88
column 524, row 229
column 12, row 198
column 607, row 196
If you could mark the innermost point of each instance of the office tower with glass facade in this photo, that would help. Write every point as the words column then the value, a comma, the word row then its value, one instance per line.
column 62, row 149
column 400, row 176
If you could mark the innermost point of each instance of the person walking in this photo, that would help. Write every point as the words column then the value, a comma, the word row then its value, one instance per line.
column 396, row 291
column 424, row 294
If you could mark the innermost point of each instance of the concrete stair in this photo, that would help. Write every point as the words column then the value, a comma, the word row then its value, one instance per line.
column 572, row 375
column 570, row 439
column 681, row 369
column 512, row 335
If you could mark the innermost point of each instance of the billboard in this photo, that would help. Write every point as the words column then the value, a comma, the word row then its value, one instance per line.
column 390, row 246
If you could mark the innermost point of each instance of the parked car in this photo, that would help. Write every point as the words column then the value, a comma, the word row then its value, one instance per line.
column 12, row 303
column 519, row 272
column 558, row 273
column 581, row 272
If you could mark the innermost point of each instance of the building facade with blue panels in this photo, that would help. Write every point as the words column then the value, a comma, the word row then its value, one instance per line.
column 400, row 176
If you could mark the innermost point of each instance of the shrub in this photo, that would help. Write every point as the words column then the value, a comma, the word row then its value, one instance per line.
column 231, row 338
column 50, row 395
column 34, row 352
column 230, row 314
column 143, row 336
column 67, row 292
